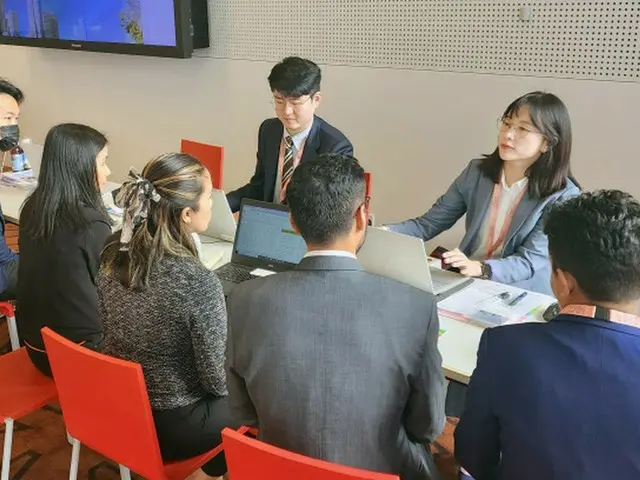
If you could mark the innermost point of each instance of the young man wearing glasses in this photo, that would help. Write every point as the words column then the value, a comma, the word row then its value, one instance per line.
column 296, row 135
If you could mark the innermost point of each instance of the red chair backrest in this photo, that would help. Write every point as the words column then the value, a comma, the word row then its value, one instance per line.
column 105, row 404
column 367, row 180
column 211, row 156
column 6, row 309
column 250, row 459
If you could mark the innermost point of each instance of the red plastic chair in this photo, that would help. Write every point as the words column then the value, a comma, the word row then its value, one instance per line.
column 367, row 179
column 24, row 390
column 250, row 459
column 211, row 156
column 6, row 310
column 105, row 405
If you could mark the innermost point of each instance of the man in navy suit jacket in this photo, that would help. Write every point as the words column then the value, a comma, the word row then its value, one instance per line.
column 559, row 400
column 295, row 136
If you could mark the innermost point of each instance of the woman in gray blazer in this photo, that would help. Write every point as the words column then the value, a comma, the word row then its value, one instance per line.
column 505, row 196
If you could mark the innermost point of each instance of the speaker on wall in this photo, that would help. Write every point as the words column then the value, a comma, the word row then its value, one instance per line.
column 200, row 23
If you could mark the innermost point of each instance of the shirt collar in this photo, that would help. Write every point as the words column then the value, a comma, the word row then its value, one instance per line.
column 519, row 185
column 330, row 253
column 298, row 138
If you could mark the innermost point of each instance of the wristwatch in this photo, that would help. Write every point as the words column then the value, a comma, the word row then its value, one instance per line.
column 486, row 271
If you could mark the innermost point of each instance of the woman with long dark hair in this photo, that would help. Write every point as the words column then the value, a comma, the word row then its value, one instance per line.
column 162, row 308
column 505, row 195
column 63, row 227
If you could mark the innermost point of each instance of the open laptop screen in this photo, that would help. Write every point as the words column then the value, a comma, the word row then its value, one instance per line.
column 264, row 234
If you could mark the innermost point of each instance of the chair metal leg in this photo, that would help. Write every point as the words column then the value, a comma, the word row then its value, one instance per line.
column 6, row 451
column 75, row 458
column 13, row 333
column 125, row 473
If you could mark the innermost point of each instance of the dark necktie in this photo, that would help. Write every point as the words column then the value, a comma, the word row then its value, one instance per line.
column 287, row 166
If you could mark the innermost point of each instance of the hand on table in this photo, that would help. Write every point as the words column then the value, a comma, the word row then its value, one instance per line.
column 457, row 259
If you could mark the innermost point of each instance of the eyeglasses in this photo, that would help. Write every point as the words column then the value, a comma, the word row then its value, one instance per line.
column 296, row 104
column 519, row 131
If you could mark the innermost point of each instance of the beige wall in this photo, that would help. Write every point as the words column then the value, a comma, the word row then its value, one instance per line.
column 413, row 129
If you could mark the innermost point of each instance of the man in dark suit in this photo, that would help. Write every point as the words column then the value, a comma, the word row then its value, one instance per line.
column 11, row 98
column 559, row 400
column 331, row 361
column 295, row 136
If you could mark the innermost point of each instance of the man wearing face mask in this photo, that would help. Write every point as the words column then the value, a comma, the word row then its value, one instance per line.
column 11, row 98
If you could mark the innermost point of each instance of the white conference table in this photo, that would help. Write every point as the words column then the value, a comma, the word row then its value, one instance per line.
column 458, row 345
column 12, row 198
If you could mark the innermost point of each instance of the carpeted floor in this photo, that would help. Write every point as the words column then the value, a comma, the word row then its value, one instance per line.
column 41, row 452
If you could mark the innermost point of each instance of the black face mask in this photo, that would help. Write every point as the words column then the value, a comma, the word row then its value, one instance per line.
column 9, row 137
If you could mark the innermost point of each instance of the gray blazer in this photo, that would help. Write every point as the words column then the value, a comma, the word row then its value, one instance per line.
column 524, row 261
column 339, row 364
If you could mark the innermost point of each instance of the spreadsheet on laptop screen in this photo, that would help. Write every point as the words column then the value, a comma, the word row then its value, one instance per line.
column 266, row 234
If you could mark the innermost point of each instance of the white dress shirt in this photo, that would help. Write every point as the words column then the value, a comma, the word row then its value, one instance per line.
column 509, row 196
column 330, row 253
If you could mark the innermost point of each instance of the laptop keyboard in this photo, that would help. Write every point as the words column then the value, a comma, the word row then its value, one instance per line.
column 443, row 280
column 233, row 274
column 440, row 284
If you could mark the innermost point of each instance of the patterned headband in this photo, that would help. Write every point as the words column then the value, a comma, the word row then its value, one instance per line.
column 134, row 197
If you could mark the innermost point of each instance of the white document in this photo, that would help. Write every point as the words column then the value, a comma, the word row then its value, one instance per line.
column 488, row 303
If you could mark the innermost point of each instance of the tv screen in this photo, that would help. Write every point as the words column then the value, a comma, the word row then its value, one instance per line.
column 152, row 27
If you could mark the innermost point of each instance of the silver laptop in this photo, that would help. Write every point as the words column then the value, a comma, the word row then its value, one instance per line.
column 403, row 258
column 222, row 224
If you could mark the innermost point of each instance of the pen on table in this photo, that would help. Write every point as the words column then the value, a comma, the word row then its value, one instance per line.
column 517, row 299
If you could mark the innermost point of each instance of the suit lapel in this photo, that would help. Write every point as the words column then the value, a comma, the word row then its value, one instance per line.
column 312, row 144
column 309, row 152
column 272, row 156
column 479, row 210
column 525, row 207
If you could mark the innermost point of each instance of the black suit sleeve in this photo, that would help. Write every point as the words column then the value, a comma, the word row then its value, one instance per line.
column 424, row 419
column 477, row 441
column 255, row 188
column 343, row 147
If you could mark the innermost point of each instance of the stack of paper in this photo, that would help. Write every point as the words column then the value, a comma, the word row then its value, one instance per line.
column 488, row 304
column 23, row 179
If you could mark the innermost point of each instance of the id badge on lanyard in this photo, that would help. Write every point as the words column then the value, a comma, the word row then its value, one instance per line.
column 601, row 313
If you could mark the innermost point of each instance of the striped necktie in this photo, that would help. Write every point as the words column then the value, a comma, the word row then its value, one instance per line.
column 287, row 165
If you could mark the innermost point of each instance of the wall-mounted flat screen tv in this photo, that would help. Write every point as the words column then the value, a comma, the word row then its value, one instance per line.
column 143, row 27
